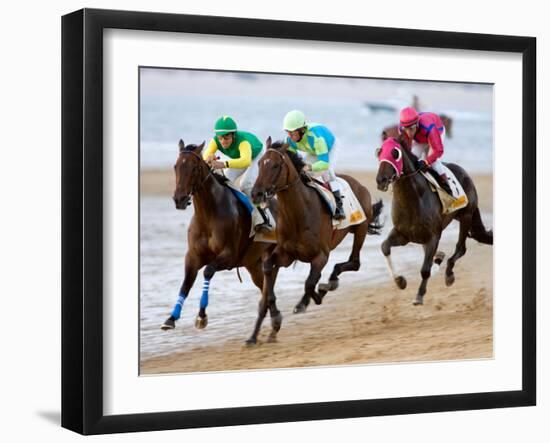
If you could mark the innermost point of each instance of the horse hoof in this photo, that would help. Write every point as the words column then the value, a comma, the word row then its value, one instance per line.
column 272, row 338
column 332, row 285
column 276, row 322
column 300, row 308
column 322, row 292
column 449, row 279
column 168, row 324
column 318, row 299
column 201, row 323
column 401, row 282
column 250, row 342
column 418, row 301
column 439, row 257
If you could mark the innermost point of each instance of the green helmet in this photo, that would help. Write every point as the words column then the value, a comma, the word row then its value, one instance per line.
column 225, row 125
column 294, row 120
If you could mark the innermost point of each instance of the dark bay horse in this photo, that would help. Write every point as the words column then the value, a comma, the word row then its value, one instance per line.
column 417, row 215
column 393, row 131
column 304, row 224
column 218, row 235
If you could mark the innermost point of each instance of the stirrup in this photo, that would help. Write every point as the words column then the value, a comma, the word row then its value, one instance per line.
column 263, row 228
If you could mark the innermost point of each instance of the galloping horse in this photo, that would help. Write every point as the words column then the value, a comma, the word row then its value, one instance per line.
column 218, row 236
column 393, row 131
column 417, row 215
column 304, row 224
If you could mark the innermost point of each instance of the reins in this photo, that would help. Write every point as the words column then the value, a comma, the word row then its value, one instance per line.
column 195, row 188
column 288, row 185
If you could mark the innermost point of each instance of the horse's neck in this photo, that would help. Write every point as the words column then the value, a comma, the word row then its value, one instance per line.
column 410, row 189
column 208, row 200
column 293, row 204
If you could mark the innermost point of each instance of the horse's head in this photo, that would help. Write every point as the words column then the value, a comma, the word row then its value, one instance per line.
column 390, row 162
column 274, row 172
column 191, row 171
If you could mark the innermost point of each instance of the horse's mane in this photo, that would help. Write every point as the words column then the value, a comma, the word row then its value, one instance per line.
column 296, row 160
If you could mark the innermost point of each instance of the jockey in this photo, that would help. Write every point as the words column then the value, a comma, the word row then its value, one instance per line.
column 320, row 145
column 424, row 133
column 244, row 150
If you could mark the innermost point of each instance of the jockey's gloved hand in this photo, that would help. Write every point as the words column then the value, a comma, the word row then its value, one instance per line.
column 422, row 165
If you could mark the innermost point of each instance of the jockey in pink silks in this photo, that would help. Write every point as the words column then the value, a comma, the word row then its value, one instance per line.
column 424, row 133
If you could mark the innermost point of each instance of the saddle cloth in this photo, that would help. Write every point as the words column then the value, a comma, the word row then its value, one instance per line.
column 269, row 237
column 449, row 203
column 352, row 208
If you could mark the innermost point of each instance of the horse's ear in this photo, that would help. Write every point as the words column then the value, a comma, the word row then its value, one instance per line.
column 181, row 145
column 384, row 135
column 200, row 147
column 268, row 142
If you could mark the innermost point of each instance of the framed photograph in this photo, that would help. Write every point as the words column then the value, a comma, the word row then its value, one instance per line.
column 269, row 221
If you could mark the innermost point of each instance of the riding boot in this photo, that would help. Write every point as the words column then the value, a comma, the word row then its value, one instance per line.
column 444, row 182
column 339, row 213
column 264, row 227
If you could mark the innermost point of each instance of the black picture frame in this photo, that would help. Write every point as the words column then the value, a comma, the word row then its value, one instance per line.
column 82, row 219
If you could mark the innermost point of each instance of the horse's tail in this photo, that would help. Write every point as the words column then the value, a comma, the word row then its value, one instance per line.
column 375, row 225
column 478, row 230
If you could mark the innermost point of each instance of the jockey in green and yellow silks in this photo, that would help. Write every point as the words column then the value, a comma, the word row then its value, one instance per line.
column 319, row 145
column 243, row 150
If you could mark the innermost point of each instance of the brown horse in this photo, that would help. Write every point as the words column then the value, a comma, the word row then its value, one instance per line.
column 218, row 235
column 417, row 215
column 304, row 224
column 393, row 131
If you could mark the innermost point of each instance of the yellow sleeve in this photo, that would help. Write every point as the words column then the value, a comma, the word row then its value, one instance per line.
column 212, row 148
column 244, row 160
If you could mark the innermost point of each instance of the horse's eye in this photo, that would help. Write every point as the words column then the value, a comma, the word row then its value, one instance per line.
column 396, row 153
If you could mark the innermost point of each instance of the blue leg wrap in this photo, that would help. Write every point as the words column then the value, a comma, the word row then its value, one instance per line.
column 176, row 312
column 204, row 296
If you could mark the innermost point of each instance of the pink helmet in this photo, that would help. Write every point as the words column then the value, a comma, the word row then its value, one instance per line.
column 408, row 117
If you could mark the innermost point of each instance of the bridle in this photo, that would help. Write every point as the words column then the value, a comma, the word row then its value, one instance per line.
column 396, row 177
column 194, row 186
column 273, row 189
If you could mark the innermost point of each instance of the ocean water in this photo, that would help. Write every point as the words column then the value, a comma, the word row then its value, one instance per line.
column 181, row 104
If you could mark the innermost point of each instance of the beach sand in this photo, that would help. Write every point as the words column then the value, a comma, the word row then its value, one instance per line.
column 372, row 323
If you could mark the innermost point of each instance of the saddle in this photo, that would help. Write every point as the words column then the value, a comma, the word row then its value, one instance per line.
column 352, row 208
column 449, row 203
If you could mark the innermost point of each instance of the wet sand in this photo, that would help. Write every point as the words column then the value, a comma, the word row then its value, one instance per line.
column 368, row 324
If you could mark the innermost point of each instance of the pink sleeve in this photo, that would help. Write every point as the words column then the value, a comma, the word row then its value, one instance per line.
column 434, row 140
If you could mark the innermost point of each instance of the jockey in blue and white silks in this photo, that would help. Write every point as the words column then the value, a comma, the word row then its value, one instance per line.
column 320, row 146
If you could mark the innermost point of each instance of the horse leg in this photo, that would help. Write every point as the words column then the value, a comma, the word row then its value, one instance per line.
column 394, row 238
column 191, row 269
column 465, row 225
column 316, row 267
column 353, row 263
column 430, row 249
column 266, row 282
column 220, row 262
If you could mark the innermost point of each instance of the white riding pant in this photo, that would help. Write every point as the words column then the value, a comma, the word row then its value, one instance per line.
column 248, row 175
column 423, row 150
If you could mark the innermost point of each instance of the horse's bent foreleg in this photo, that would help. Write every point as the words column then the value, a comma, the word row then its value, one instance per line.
column 191, row 269
column 353, row 263
column 316, row 267
column 430, row 249
column 220, row 262
column 394, row 238
column 460, row 250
